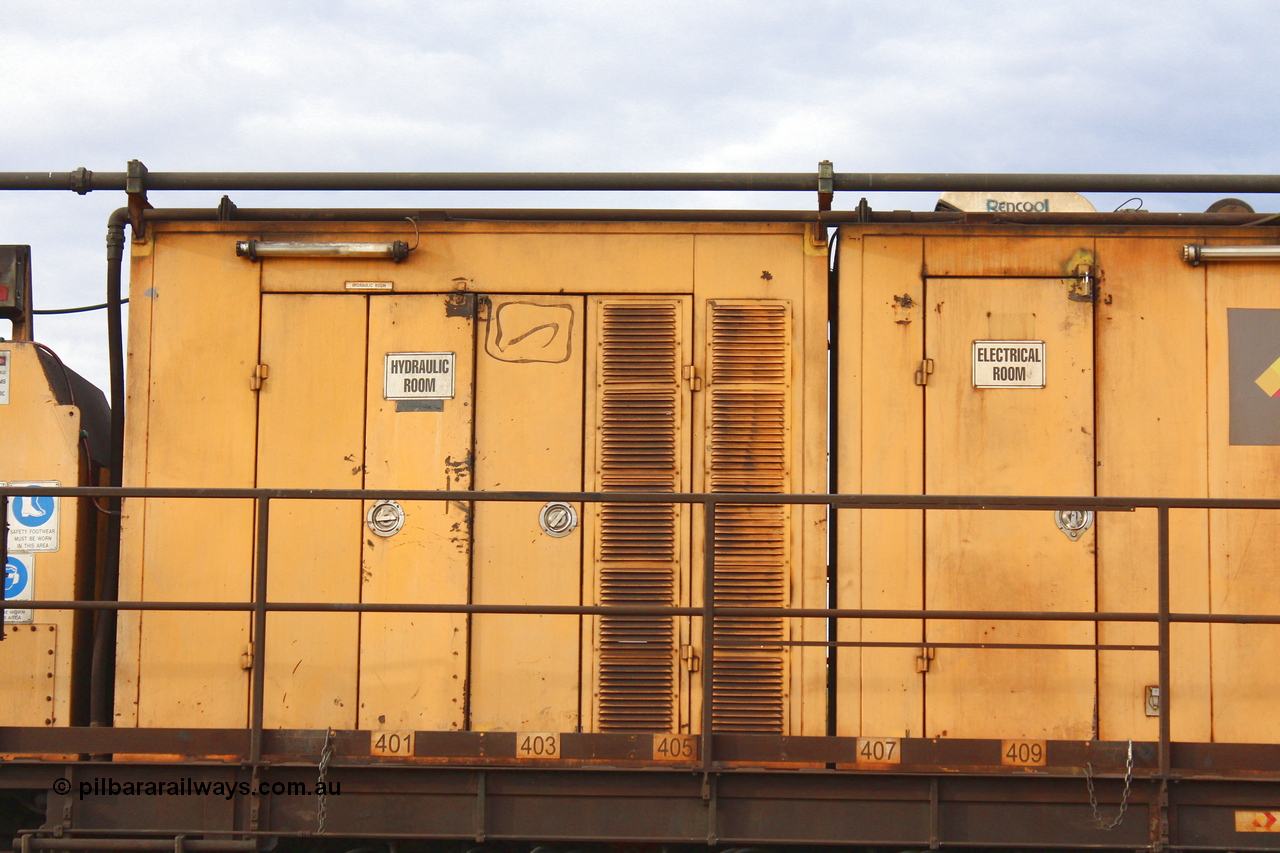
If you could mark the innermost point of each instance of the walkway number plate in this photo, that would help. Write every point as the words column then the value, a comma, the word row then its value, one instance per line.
column 879, row 750
column 537, row 745
column 392, row 744
column 1008, row 364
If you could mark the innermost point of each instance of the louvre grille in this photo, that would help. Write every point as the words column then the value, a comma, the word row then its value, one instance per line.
column 637, row 434
column 749, row 410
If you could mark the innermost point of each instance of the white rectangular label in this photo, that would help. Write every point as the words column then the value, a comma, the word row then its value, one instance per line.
column 1008, row 364
column 418, row 376
column 4, row 377
column 33, row 521
column 19, row 579
column 370, row 285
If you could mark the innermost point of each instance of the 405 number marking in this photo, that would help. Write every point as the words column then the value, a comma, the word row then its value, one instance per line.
column 675, row 747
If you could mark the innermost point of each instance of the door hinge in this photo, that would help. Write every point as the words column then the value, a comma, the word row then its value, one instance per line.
column 259, row 376
column 923, row 371
column 692, row 661
column 924, row 658
column 690, row 374
column 246, row 657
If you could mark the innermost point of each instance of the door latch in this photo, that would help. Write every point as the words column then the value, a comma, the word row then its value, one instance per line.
column 1084, row 284
column 1073, row 522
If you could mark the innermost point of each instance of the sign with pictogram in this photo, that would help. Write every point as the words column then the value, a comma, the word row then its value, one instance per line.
column 18, row 572
column 33, row 520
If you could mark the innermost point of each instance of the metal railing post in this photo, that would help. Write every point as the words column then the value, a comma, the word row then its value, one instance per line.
column 1162, row 595
column 259, row 657
column 4, row 552
column 708, row 629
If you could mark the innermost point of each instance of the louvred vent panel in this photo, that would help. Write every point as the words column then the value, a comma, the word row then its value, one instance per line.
column 637, row 435
column 749, row 441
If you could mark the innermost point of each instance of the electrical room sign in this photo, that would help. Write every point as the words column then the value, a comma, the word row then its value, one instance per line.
column 418, row 376
column 1008, row 364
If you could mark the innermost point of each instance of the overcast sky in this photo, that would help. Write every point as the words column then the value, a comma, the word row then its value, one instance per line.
column 381, row 85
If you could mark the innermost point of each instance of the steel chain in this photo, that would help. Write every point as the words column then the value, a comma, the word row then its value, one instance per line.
column 322, row 800
column 1124, row 797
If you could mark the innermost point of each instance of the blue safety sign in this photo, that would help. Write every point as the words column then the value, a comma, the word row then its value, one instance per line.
column 17, row 577
column 33, row 520
column 30, row 511
column 18, row 572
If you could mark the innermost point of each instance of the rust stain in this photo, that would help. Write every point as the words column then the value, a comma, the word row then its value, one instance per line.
column 904, row 300
column 459, row 470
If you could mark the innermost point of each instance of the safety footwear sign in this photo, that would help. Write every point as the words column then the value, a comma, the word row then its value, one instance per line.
column 33, row 520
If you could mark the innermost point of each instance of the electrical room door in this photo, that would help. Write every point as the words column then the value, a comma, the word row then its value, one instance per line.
column 1013, row 437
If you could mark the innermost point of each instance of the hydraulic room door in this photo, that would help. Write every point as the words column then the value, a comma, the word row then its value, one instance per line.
column 419, row 412
column 526, row 668
column 1008, row 411
column 311, row 436
column 325, row 422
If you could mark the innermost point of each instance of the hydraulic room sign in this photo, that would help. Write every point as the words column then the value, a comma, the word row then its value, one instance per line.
column 1008, row 364
column 418, row 376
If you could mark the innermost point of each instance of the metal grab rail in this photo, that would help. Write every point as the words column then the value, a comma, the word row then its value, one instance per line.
column 708, row 611
column 138, row 179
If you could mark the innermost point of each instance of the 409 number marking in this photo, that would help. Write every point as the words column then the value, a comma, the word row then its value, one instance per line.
column 1022, row 753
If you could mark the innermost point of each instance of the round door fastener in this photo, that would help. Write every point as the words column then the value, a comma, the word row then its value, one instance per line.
column 385, row 518
column 558, row 519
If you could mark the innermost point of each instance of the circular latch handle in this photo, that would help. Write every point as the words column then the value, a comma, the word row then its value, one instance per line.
column 558, row 519
column 385, row 518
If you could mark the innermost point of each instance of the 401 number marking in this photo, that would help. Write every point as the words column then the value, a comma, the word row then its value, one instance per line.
column 391, row 743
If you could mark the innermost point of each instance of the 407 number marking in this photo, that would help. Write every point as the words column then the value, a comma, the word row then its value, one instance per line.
column 879, row 750
column 538, row 745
